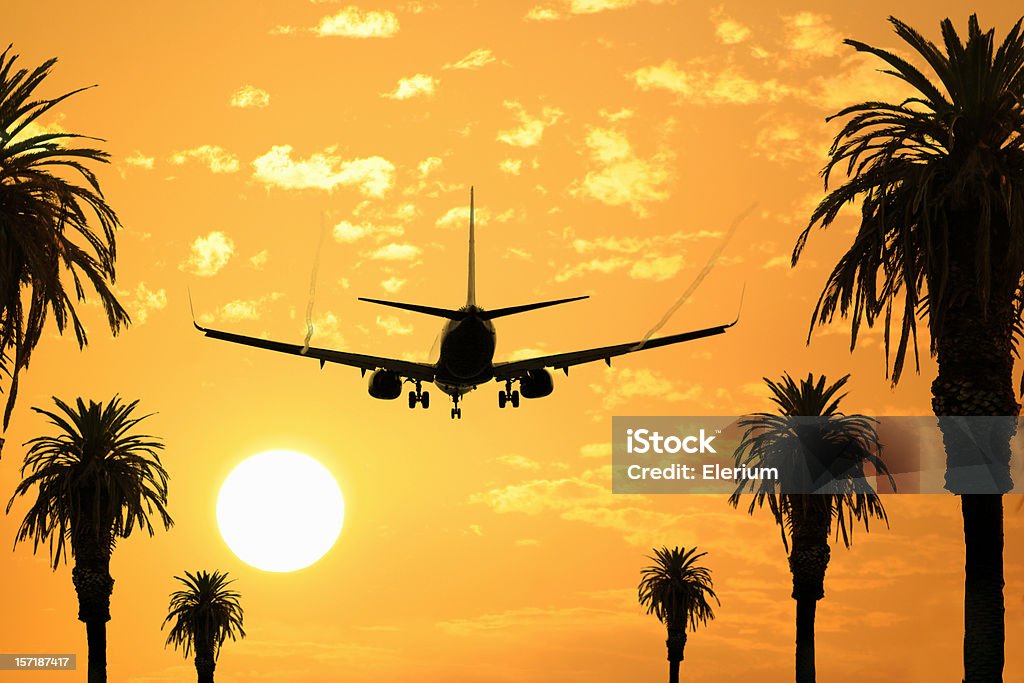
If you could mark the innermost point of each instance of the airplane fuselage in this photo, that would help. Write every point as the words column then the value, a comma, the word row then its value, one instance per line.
column 467, row 353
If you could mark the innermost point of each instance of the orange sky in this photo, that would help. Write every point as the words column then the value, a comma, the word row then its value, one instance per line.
column 611, row 142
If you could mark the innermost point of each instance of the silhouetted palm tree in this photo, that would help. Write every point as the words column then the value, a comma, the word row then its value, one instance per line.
column 676, row 590
column 941, row 178
column 95, row 483
column 204, row 615
column 46, row 223
column 826, row 455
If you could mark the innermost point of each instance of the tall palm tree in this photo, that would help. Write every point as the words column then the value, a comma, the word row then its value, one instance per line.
column 204, row 615
column 821, row 481
column 677, row 591
column 48, row 223
column 941, row 237
column 95, row 483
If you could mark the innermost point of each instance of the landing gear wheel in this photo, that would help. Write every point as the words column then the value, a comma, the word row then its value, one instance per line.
column 425, row 399
column 514, row 398
column 502, row 399
column 412, row 399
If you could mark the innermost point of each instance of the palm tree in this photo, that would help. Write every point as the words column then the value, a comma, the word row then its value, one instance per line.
column 941, row 237
column 46, row 223
column 95, row 482
column 676, row 590
column 204, row 615
column 821, row 479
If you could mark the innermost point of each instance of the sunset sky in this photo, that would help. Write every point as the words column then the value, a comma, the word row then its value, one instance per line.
column 611, row 144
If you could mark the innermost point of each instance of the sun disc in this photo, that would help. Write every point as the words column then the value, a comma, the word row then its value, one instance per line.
column 280, row 511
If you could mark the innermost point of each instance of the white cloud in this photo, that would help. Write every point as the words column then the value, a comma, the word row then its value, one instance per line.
column 372, row 176
column 326, row 331
column 728, row 30
column 216, row 158
column 570, row 7
column 542, row 14
column 597, row 450
column 144, row 300
column 621, row 177
column 347, row 233
column 626, row 384
column 392, row 325
column 458, row 217
column 511, row 166
column 352, row 22
column 209, row 254
column 604, row 266
column 250, row 96
column 531, row 128
column 812, row 35
column 139, row 159
column 428, row 166
column 259, row 260
column 700, row 85
column 395, row 252
column 657, row 268
column 476, row 59
column 392, row 284
column 414, row 86
column 519, row 462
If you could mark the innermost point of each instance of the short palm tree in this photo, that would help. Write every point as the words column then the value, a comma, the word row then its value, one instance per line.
column 203, row 616
column 940, row 180
column 821, row 465
column 54, row 229
column 95, row 482
column 677, row 591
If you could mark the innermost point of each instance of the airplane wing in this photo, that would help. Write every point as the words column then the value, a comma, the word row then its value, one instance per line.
column 562, row 361
column 419, row 371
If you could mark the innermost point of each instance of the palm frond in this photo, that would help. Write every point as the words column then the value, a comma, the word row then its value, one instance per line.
column 54, row 223
column 204, row 614
column 95, row 480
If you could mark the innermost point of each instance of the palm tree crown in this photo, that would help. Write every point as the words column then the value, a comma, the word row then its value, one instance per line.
column 204, row 614
column 46, row 228
column 96, row 481
column 946, row 165
column 677, row 590
column 826, row 456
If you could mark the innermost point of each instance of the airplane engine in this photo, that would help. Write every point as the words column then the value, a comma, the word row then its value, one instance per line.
column 385, row 385
column 536, row 384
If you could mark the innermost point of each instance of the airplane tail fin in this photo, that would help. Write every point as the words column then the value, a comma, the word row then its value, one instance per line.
column 512, row 310
column 471, row 293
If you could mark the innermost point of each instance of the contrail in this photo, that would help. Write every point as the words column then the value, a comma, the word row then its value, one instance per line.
column 312, row 284
column 712, row 260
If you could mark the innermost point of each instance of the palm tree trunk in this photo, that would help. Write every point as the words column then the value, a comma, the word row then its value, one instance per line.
column 676, row 645
column 205, row 662
column 204, row 669
column 808, row 561
column 805, row 610
column 984, row 633
column 975, row 356
column 93, row 584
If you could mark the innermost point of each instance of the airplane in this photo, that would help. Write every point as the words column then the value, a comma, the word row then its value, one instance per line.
column 465, row 360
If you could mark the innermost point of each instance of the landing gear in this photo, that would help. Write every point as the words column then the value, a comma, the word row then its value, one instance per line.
column 456, row 411
column 508, row 395
column 419, row 396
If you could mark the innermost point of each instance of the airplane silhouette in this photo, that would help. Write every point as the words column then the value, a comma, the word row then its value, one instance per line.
column 467, row 351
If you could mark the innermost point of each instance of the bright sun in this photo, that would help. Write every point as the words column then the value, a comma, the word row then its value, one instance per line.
column 280, row 511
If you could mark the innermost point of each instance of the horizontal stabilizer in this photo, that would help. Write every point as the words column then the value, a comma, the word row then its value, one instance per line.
column 512, row 310
column 429, row 310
